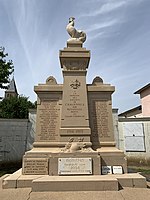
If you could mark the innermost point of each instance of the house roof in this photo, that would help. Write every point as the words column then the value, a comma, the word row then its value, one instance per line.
column 12, row 86
column 130, row 111
column 142, row 89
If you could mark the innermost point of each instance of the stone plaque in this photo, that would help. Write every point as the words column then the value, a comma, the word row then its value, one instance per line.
column 106, row 170
column 117, row 170
column 48, row 120
column 68, row 166
column 35, row 166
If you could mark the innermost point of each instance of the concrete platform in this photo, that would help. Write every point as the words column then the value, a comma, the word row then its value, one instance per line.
column 40, row 183
column 17, row 180
column 134, row 180
column 26, row 194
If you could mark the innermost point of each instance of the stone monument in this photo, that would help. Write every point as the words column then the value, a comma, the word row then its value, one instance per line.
column 74, row 128
column 74, row 120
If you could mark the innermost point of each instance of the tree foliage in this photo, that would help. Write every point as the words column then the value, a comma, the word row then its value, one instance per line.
column 6, row 68
column 15, row 107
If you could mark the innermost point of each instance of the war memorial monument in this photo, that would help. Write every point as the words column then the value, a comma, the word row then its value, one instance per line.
column 74, row 148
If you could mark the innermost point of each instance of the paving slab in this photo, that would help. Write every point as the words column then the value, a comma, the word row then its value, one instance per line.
column 68, row 195
column 112, row 195
column 125, row 194
column 135, row 193
column 14, row 194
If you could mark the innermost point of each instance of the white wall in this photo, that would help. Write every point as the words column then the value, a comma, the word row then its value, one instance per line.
column 134, row 137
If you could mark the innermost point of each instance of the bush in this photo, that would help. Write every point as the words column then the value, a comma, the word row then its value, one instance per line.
column 15, row 107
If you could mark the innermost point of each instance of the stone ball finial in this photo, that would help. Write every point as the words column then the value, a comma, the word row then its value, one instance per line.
column 97, row 80
column 51, row 81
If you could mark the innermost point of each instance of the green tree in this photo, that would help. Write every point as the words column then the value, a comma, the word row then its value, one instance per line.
column 15, row 107
column 6, row 68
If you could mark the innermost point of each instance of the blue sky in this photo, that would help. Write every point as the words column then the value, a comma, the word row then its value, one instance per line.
column 118, row 35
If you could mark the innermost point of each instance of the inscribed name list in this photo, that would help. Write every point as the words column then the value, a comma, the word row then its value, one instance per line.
column 99, row 120
column 35, row 166
column 48, row 127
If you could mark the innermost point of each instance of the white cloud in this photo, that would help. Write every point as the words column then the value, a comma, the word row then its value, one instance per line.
column 101, row 25
column 96, row 36
column 105, row 8
column 111, row 6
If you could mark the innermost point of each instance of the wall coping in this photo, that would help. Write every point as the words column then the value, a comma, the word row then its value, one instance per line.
column 139, row 119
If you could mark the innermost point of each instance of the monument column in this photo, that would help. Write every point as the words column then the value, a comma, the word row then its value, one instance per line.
column 74, row 115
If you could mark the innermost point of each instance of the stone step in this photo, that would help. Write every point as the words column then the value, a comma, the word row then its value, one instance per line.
column 75, row 183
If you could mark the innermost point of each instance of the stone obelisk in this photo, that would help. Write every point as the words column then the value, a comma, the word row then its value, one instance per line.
column 74, row 116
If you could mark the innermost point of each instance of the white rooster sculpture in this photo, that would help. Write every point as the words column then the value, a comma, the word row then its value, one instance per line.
column 76, row 35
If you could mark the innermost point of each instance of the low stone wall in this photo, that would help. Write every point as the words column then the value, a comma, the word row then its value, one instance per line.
column 15, row 137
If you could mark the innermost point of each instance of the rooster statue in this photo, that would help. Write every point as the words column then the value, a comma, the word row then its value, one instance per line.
column 76, row 35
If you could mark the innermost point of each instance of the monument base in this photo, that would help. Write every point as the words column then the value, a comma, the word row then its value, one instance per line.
column 53, row 163
column 46, row 169
column 40, row 183
column 111, row 156
column 46, row 161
